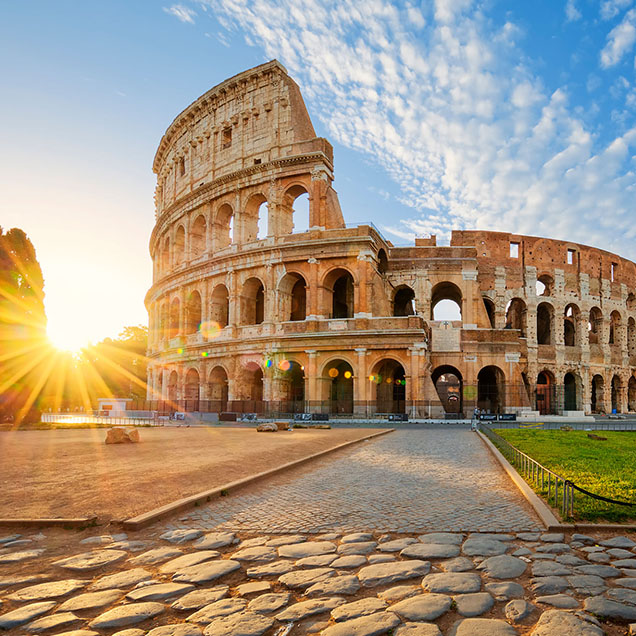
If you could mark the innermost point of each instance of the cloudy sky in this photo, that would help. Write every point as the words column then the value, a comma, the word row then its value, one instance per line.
column 444, row 114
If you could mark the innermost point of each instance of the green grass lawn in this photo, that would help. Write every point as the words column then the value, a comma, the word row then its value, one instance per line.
column 606, row 468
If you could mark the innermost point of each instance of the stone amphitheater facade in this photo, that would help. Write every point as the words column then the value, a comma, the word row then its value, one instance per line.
column 337, row 319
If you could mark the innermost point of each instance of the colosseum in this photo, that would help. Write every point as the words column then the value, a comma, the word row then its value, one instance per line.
column 255, row 309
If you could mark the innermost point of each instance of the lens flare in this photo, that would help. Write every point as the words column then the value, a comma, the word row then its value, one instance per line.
column 347, row 374
column 179, row 351
column 284, row 365
column 210, row 329
column 268, row 364
column 333, row 373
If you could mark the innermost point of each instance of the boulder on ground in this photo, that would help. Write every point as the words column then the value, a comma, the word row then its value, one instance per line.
column 120, row 435
column 267, row 427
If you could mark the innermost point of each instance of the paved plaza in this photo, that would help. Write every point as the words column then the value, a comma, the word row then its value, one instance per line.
column 407, row 481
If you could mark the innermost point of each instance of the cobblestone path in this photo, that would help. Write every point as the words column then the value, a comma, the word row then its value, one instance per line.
column 407, row 481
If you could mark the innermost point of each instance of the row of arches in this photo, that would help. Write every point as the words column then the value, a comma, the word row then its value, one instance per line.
column 207, row 233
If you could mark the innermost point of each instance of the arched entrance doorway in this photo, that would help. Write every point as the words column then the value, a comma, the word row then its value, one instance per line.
column 191, row 390
column 545, row 396
column 570, row 392
column 253, row 390
column 449, row 386
column 390, row 383
column 491, row 389
column 617, row 388
column 172, row 388
column 339, row 376
column 597, row 402
column 217, row 390
column 292, row 381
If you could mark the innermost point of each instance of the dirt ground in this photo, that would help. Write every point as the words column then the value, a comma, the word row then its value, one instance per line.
column 72, row 473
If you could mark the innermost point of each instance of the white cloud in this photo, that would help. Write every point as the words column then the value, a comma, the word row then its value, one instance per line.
column 611, row 8
column 620, row 40
column 185, row 14
column 571, row 11
column 457, row 120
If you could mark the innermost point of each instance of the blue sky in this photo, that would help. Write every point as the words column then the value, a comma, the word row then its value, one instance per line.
column 443, row 114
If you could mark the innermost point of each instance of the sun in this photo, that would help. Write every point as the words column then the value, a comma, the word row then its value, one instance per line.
column 67, row 338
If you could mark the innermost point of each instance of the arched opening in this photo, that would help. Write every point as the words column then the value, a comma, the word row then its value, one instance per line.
column 446, row 302
column 390, row 387
column 292, row 297
column 570, row 321
column 614, row 327
column 449, row 386
column 179, row 245
column 197, row 237
column 192, row 390
column 597, row 398
column 173, row 380
column 516, row 315
column 631, row 301
column 295, row 210
column 631, row 337
column 544, row 324
column 292, row 387
column 595, row 325
column 404, row 301
column 571, row 392
column 546, row 402
column 631, row 394
column 263, row 221
column 175, row 315
column 252, row 302
column 219, row 307
column 545, row 285
column 165, row 256
column 383, row 262
column 339, row 374
column 491, row 389
column 253, row 389
column 340, row 283
column 490, row 311
column 224, row 227
column 193, row 313
column 617, row 389
column 164, row 320
column 217, row 390
column 254, row 219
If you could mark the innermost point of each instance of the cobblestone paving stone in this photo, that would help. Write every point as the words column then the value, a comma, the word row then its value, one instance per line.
column 406, row 481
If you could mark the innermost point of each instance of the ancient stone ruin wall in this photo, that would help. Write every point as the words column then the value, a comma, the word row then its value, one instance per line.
column 250, row 311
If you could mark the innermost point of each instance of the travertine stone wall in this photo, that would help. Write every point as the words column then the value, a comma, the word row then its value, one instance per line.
column 239, row 313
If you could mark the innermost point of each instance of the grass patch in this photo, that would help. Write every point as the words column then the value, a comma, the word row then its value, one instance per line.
column 606, row 468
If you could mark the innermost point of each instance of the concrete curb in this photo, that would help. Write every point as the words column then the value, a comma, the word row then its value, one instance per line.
column 79, row 522
column 543, row 511
column 147, row 518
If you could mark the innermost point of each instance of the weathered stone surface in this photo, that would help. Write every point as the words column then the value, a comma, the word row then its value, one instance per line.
column 254, row 587
column 553, row 622
column 131, row 631
column 348, row 584
column 583, row 538
column 562, row 601
column 503, row 566
column 349, row 561
column 424, row 607
column 599, row 557
column 302, row 579
column 200, row 598
column 385, row 573
column 83, row 632
column 476, row 604
column 477, row 546
column 43, row 591
column 430, row 551
column 620, row 553
column 17, row 579
column 307, row 549
column 570, row 559
column 587, row 584
column 258, row 553
column 554, row 548
column 625, row 563
column 622, row 596
column 186, row 560
column 358, row 547
column 418, row 629
column 380, row 558
column 521, row 552
column 287, row 539
column 600, row 606
column 354, row 537
column 239, row 624
column 16, row 557
column 207, row 571
column 130, row 545
column 396, row 545
column 214, row 540
column 224, row 607
column 253, row 542
column 505, row 591
column 544, row 585
column 373, row 625
column 182, row 535
column 267, row 603
column 127, row 615
column 518, row 609
column 495, row 536
column 301, row 610
column 458, row 564
column 156, row 555
column 452, row 583
column 528, row 536
column 59, row 620
column 400, row 592
column 123, row 580
column 267, row 427
column 627, row 582
column 320, row 561
column 274, row 568
column 618, row 542
column 90, row 600
column 550, row 568
column 604, row 571
column 552, row 537
column 181, row 629
column 481, row 627
column 159, row 592
column 363, row 607
column 120, row 435
column 451, row 538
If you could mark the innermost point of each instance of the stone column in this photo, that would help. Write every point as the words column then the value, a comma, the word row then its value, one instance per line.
column 360, row 384
column 313, row 292
column 312, row 396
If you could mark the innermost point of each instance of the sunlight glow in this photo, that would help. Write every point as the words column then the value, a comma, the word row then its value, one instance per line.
column 66, row 337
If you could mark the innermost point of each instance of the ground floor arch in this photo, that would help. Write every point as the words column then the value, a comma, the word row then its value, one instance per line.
column 338, row 375
column 192, row 389
column 545, row 398
column 218, row 389
column 571, row 392
column 389, row 380
column 449, row 385
column 291, row 380
column 597, row 402
column 173, row 381
column 617, row 390
column 491, row 389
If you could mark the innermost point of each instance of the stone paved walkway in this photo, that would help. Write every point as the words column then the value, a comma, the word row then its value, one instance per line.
column 407, row 481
